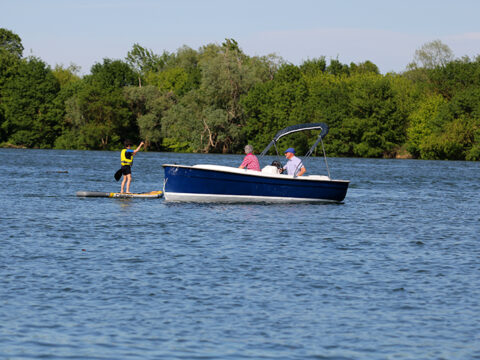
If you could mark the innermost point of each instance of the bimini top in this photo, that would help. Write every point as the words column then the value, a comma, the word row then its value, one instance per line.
column 297, row 128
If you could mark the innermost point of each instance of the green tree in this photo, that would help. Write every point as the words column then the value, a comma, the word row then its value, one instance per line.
column 473, row 153
column 276, row 104
column 188, row 60
column 457, row 121
column 367, row 113
column 11, row 50
column 183, row 126
column 454, row 142
column 337, row 68
column 364, row 68
column 314, row 67
column 144, row 61
column 211, row 117
column 376, row 107
column 111, row 74
column 456, row 76
column 97, row 115
column 431, row 55
column 329, row 99
column 422, row 124
column 173, row 79
column 30, row 116
column 66, row 76
column 148, row 105
column 11, row 43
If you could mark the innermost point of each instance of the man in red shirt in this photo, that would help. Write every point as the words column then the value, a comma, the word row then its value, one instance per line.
column 250, row 161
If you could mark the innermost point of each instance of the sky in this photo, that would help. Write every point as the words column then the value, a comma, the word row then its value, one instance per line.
column 385, row 32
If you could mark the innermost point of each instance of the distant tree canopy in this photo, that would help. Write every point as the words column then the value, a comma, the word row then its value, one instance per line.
column 433, row 54
column 10, row 43
column 217, row 99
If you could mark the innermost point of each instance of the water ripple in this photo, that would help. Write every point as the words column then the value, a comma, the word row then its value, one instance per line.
column 391, row 273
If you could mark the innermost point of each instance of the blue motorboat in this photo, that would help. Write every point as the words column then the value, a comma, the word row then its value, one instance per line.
column 215, row 183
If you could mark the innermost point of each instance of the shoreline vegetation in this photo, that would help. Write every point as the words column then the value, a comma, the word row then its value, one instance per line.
column 217, row 99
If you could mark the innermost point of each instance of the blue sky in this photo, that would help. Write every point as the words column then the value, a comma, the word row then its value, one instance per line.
column 385, row 32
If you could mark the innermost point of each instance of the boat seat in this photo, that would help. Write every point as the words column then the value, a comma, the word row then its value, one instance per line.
column 270, row 169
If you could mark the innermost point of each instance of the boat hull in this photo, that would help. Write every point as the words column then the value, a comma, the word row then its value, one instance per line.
column 225, row 184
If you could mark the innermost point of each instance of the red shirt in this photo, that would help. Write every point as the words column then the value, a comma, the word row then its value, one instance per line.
column 251, row 162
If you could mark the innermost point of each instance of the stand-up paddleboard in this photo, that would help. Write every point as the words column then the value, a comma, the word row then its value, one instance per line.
column 151, row 194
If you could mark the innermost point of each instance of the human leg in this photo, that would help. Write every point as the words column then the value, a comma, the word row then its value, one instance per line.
column 129, row 180
column 123, row 183
column 126, row 172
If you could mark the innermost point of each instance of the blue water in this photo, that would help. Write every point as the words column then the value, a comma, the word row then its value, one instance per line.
column 392, row 273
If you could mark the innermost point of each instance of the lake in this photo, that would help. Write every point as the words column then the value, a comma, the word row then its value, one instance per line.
column 392, row 273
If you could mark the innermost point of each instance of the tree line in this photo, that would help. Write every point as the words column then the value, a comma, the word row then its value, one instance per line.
column 217, row 99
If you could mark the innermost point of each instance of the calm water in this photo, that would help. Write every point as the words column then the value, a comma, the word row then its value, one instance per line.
column 393, row 273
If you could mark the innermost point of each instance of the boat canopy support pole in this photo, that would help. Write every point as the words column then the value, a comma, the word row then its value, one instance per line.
column 309, row 153
column 276, row 150
column 326, row 162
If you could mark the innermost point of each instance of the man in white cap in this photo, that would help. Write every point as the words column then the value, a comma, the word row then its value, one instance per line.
column 293, row 163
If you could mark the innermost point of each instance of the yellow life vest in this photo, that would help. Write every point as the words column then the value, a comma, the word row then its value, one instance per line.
column 123, row 158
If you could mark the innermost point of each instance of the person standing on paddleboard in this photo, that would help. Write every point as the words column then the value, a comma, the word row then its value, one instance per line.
column 126, row 158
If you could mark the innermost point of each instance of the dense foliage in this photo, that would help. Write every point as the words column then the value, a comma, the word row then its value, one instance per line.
column 217, row 99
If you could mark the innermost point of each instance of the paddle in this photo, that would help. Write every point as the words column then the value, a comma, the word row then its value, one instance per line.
column 118, row 174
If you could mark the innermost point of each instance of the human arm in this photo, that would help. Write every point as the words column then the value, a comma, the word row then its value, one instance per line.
column 138, row 148
column 302, row 171
column 244, row 162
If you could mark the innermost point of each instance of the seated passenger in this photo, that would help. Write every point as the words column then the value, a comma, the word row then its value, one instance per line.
column 293, row 163
column 250, row 161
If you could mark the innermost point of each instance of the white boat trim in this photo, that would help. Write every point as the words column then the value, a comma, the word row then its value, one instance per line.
column 194, row 197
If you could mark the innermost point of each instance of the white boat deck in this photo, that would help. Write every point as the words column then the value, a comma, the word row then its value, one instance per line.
column 267, row 171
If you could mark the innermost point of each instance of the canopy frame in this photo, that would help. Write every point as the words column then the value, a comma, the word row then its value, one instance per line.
column 297, row 128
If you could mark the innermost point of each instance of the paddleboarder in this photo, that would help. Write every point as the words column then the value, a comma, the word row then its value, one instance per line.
column 126, row 158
